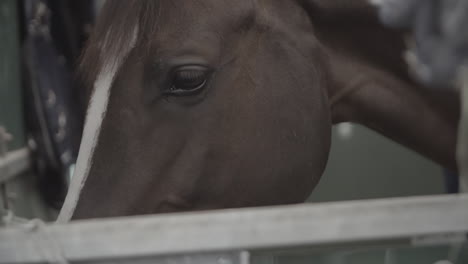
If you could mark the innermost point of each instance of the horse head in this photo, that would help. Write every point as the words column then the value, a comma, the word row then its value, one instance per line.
column 211, row 104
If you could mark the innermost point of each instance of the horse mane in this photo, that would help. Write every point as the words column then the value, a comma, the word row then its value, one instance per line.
column 116, row 27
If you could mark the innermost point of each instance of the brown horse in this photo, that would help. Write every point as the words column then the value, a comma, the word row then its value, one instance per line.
column 206, row 104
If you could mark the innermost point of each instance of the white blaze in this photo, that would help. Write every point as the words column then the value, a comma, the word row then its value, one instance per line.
column 95, row 116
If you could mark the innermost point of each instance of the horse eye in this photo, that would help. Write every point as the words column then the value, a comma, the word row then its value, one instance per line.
column 188, row 80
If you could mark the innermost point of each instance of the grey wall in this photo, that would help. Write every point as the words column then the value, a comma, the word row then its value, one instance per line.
column 11, row 114
column 365, row 165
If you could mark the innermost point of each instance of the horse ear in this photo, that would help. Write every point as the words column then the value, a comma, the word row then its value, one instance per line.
column 369, row 81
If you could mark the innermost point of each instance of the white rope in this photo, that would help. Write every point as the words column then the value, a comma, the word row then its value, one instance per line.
column 46, row 245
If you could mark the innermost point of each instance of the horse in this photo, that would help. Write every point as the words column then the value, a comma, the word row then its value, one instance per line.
column 200, row 105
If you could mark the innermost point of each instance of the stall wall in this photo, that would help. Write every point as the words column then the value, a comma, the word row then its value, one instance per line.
column 21, row 193
column 365, row 165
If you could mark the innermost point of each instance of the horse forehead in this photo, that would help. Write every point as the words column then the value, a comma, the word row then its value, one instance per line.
column 203, row 15
column 211, row 7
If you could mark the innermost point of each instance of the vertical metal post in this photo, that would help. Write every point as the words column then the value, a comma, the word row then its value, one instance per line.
column 4, row 139
column 11, row 115
column 11, row 106
column 462, row 151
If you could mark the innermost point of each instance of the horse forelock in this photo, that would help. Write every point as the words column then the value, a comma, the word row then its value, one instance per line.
column 114, row 32
column 106, row 66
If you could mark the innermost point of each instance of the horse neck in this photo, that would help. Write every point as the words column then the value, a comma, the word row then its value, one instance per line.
column 370, row 84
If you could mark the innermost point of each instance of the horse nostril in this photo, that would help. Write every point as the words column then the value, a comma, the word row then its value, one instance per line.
column 174, row 203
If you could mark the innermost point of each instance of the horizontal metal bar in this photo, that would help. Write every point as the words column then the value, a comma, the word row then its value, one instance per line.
column 346, row 223
column 240, row 257
column 13, row 164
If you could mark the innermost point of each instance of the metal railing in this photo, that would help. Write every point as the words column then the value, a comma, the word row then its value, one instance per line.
column 230, row 235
